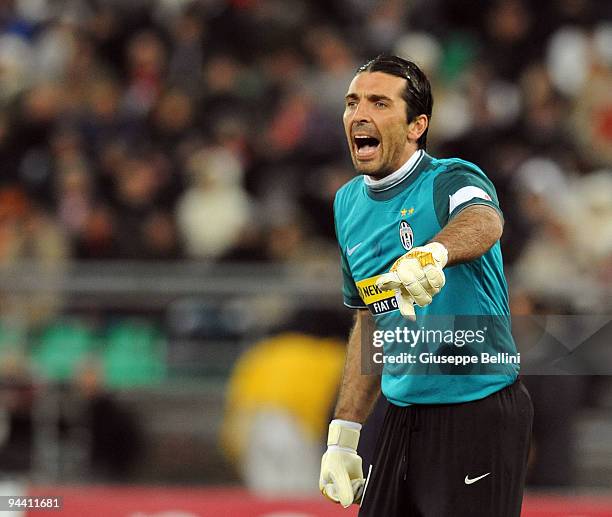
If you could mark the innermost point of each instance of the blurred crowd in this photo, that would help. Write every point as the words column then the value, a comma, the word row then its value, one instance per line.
column 211, row 129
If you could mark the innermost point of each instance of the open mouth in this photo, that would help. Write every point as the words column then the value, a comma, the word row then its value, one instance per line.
column 365, row 146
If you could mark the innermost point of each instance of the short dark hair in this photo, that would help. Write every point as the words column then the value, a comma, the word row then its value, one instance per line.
column 417, row 92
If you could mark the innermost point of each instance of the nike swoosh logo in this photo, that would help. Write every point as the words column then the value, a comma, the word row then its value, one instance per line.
column 350, row 251
column 469, row 481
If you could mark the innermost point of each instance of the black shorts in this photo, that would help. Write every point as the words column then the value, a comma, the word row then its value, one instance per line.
column 452, row 460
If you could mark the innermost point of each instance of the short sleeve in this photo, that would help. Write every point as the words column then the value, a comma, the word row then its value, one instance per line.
column 460, row 187
column 350, row 294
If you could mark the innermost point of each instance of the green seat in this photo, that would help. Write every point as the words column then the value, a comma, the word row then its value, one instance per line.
column 135, row 354
column 62, row 347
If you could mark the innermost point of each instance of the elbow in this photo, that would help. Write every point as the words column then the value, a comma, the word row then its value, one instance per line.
column 499, row 228
column 496, row 228
column 491, row 226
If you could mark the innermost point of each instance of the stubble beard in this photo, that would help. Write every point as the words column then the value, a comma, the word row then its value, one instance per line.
column 377, row 174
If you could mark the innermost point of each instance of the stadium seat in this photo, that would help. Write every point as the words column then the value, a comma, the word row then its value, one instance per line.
column 135, row 354
column 61, row 347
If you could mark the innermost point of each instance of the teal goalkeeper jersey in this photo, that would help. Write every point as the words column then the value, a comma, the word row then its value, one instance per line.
column 377, row 224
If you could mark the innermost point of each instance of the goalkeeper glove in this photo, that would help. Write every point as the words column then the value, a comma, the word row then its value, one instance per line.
column 416, row 277
column 341, row 478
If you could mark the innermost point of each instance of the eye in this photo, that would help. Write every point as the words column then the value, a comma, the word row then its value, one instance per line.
column 351, row 104
column 380, row 104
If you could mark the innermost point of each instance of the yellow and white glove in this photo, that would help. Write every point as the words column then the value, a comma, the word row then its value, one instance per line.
column 341, row 478
column 416, row 277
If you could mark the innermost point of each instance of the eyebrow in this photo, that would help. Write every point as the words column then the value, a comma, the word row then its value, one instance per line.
column 372, row 97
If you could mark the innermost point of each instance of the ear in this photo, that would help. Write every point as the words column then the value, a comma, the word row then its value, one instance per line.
column 417, row 127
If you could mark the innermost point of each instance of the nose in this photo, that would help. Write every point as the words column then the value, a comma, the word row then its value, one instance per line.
column 362, row 113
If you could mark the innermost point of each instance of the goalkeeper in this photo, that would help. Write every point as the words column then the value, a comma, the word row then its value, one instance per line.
column 419, row 240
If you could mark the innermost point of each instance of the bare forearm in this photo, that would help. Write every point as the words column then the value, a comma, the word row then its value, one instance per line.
column 470, row 234
column 358, row 392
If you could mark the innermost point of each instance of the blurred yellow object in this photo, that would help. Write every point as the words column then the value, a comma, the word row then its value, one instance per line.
column 292, row 372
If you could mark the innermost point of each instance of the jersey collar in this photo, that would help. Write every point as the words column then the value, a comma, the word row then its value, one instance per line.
column 391, row 185
column 395, row 177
